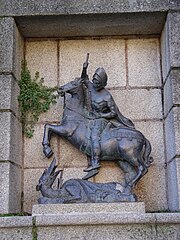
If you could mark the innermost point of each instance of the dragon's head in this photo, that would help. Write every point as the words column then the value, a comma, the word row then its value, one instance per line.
column 48, row 177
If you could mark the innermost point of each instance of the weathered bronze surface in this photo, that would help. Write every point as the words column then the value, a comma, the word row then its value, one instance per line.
column 93, row 123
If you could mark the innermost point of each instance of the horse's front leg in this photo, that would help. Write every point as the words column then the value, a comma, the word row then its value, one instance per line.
column 48, row 130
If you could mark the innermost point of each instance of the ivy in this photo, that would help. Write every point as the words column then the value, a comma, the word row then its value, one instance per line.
column 34, row 99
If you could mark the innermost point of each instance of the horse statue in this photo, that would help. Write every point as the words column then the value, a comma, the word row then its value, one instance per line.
column 126, row 146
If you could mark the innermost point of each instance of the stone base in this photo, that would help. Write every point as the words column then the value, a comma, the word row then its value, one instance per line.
column 100, row 225
column 93, row 208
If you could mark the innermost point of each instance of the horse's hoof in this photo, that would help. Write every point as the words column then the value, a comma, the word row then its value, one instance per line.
column 47, row 151
column 90, row 174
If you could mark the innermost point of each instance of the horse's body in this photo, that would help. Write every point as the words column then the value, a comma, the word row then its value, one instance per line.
column 128, row 147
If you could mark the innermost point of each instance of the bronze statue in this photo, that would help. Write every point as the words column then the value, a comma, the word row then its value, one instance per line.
column 103, row 109
column 93, row 123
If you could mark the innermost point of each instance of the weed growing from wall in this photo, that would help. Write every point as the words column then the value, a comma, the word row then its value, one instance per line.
column 34, row 99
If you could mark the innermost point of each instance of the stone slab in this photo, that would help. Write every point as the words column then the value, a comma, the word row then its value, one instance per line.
column 16, row 228
column 42, row 57
column 31, row 178
column 11, row 47
column 174, row 33
column 143, row 62
column 10, row 188
column 10, row 138
column 170, row 43
column 154, row 132
column 9, row 90
column 54, row 7
column 49, row 209
column 106, row 53
column 172, row 91
column 152, row 189
column 172, row 133
column 173, row 180
column 112, row 226
column 6, row 40
column 165, row 52
column 109, row 226
column 71, row 157
column 139, row 104
column 90, row 25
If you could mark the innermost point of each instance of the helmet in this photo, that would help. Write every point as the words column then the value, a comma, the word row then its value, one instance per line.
column 101, row 75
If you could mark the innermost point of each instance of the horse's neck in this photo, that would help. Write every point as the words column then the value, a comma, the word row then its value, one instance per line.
column 77, row 99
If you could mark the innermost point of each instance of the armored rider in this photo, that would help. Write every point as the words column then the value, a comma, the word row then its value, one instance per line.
column 102, row 110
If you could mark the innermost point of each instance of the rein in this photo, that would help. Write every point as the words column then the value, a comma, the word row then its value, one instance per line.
column 76, row 112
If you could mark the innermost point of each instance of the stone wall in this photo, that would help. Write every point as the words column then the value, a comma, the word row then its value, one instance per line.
column 139, row 40
column 134, row 70
column 11, row 53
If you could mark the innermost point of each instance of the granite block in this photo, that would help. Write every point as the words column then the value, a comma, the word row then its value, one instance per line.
column 168, row 231
column 31, row 178
column 10, row 138
column 109, row 172
column 144, row 62
column 41, row 56
column 170, row 43
column 4, row 187
column 69, row 156
column 11, row 47
column 100, row 232
column 15, row 189
column 173, row 185
column 139, row 104
column 16, row 233
column 16, row 228
column 18, row 51
column 57, row 209
column 54, row 114
column 178, row 178
column 106, row 53
column 52, row 7
column 10, row 188
column 172, row 133
column 9, row 92
column 92, row 25
column 69, row 173
column 154, row 132
column 165, row 51
column 101, row 218
column 6, row 42
column 172, row 91
column 151, row 189
column 174, row 33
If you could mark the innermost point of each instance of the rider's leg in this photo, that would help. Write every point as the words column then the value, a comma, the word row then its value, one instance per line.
column 95, row 148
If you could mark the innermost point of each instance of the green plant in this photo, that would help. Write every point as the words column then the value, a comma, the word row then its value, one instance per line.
column 34, row 99
column 14, row 214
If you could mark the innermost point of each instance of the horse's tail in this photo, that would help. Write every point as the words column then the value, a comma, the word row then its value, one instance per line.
column 146, row 155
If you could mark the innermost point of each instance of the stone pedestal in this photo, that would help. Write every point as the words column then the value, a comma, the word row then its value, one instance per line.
column 91, row 208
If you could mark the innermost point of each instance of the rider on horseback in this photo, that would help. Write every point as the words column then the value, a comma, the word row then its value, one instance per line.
column 102, row 109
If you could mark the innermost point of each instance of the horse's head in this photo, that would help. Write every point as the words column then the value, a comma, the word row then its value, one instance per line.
column 70, row 87
column 48, row 177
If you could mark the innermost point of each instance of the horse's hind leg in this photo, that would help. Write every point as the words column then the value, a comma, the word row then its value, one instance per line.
column 129, row 174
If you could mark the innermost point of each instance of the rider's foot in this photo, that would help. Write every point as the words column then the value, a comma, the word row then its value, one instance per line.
column 90, row 174
column 92, row 168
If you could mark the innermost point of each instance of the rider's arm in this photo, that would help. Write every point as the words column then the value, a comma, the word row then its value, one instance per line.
column 84, row 76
